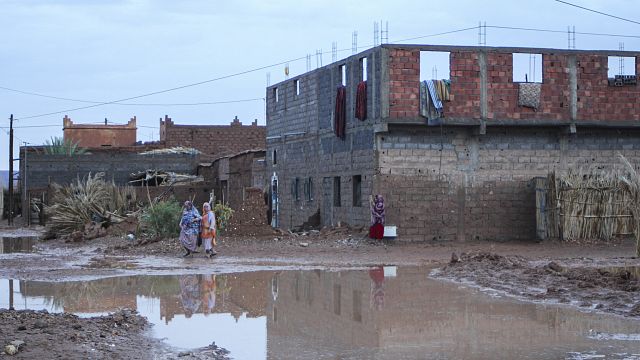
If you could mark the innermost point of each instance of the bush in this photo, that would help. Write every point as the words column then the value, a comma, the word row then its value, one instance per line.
column 223, row 214
column 163, row 218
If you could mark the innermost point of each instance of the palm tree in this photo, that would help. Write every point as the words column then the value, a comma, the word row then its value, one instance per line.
column 59, row 146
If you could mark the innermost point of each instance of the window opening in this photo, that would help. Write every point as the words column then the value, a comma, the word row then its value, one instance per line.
column 434, row 65
column 527, row 67
column 275, row 93
column 357, row 190
column 274, row 157
column 336, row 191
column 296, row 84
column 622, row 70
column 308, row 189
column 363, row 66
column 295, row 186
column 343, row 75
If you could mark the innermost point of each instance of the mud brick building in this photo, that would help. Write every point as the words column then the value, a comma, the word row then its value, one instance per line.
column 97, row 135
column 214, row 140
column 464, row 174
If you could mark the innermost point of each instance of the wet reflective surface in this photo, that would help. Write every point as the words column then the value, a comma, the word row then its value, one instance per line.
column 380, row 313
column 16, row 244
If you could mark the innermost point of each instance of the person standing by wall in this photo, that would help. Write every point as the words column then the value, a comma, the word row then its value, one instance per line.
column 208, row 229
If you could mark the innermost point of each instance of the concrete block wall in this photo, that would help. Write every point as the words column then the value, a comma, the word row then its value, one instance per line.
column 300, row 132
column 44, row 169
column 457, row 185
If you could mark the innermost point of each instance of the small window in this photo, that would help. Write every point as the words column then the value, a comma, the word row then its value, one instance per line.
column 296, row 84
column 275, row 93
column 357, row 190
column 295, row 186
column 357, row 305
column 308, row 189
column 527, row 68
column 337, row 297
column 363, row 66
column 336, row 191
column 274, row 156
column 343, row 75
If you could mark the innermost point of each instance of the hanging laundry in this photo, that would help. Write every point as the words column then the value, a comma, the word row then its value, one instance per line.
column 529, row 95
column 442, row 87
column 424, row 99
column 340, row 116
column 361, row 101
column 434, row 95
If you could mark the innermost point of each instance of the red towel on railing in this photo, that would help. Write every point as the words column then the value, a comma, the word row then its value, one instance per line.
column 361, row 101
column 340, row 116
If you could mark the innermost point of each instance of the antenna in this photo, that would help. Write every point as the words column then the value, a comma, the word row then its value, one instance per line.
column 434, row 72
column 308, row 62
column 376, row 34
column 334, row 51
column 286, row 71
column 268, row 79
column 354, row 42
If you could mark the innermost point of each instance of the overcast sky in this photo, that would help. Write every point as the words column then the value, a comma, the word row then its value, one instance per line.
column 105, row 50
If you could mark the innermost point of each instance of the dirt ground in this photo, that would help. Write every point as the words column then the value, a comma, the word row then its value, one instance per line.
column 587, row 276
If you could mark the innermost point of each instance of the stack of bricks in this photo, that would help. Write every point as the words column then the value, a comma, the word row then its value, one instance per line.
column 599, row 101
column 465, row 86
column 404, row 81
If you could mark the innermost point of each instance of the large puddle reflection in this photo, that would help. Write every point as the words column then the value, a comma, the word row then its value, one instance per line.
column 380, row 313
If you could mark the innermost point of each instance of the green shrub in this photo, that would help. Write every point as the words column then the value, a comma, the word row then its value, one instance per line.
column 163, row 218
column 223, row 214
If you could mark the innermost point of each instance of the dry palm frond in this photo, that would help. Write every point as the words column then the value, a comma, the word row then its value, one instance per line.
column 86, row 200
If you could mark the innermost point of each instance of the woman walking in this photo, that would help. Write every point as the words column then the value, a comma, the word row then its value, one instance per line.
column 189, row 227
column 208, row 229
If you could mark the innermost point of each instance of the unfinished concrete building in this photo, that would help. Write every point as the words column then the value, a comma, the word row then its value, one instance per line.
column 455, row 166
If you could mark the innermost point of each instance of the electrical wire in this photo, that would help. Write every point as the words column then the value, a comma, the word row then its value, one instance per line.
column 130, row 104
column 559, row 31
column 598, row 12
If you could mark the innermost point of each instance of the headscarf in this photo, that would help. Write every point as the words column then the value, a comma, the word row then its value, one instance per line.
column 377, row 210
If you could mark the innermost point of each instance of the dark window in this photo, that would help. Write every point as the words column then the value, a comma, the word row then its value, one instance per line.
column 336, row 191
column 308, row 189
column 275, row 157
column 295, row 186
column 357, row 190
column 337, row 297
column 357, row 305
column 275, row 93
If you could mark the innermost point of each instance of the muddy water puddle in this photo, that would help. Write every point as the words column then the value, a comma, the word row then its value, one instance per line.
column 16, row 244
column 378, row 313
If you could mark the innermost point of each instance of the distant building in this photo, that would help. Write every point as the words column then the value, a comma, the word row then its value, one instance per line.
column 98, row 135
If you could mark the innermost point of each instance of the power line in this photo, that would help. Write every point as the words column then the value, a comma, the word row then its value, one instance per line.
column 561, row 31
column 438, row 34
column 130, row 104
column 598, row 12
column 161, row 91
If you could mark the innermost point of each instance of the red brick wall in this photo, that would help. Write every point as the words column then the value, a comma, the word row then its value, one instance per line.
column 599, row 101
column 404, row 83
column 465, row 86
column 215, row 140
column 596, row 99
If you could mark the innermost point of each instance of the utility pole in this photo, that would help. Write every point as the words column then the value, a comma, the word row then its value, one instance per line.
column 27, row 199
column 10, row 222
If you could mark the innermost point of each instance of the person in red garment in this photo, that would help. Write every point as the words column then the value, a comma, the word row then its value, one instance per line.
column 376, row 231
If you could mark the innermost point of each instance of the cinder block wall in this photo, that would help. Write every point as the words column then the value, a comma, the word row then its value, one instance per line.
column 458, row 185
column 300, row 133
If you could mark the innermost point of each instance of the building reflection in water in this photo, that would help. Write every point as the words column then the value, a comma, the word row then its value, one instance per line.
column 383, row 312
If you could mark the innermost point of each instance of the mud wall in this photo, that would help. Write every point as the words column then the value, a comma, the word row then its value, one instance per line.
column 454, row 184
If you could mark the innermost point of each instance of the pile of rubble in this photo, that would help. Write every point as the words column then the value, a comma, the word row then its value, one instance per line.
column 251, row 218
